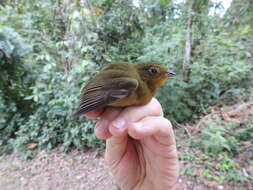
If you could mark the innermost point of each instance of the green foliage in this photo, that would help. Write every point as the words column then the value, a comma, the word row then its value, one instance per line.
column 246, row 133
column 216, row 138
column 219, row 68
column 15, row 81
column 57, row 68
column 226, row 170
column 220, row 152
column 188, row 156
column 52, row 122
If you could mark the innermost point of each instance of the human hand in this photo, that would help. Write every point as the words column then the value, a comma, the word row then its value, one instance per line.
column 140, row 146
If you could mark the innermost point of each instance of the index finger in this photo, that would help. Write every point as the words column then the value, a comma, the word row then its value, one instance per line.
column 131, row 114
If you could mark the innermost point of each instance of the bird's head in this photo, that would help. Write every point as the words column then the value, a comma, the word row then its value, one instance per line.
column 153, row 74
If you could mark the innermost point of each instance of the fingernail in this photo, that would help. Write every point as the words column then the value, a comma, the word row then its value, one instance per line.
column 119, row 123
column 138, row 125
column 101, row 125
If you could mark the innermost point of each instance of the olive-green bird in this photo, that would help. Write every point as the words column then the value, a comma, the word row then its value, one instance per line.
column 122, row 84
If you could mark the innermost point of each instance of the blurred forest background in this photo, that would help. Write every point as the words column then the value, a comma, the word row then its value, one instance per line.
column 49, row 49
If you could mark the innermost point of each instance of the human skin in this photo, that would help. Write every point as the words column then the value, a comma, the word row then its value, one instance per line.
column 140, row 146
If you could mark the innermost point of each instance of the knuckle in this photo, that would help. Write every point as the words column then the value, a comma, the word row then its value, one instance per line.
column 134, row 132
column 168, row 123
column 156, row 106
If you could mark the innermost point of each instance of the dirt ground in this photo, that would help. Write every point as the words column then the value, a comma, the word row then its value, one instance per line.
column 59, row 171
column 55, row 171
column 73, row 171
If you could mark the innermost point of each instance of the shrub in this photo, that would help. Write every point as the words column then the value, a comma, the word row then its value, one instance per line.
column 222, row 136
column 51, row 123
column 15, row 81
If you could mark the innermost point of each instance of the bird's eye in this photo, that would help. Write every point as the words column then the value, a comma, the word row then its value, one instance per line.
column 153, row 71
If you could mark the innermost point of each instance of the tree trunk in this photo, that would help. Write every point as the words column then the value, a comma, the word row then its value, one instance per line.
column 188, row 43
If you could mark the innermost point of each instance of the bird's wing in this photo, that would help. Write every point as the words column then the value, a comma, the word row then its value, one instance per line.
column 98, row 94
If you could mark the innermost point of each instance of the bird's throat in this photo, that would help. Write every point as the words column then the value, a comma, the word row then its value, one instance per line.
column 155, row 84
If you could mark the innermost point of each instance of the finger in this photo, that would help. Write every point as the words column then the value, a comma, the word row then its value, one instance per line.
column 102, row 126
column 116, row 145
column 161, row 136
column 118, row 127
column 153, row 126
column 94, row 114
column 101, row 129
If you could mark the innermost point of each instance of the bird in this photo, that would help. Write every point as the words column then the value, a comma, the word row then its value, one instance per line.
column 122, row 84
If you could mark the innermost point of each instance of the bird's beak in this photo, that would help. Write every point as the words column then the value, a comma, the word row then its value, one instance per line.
column 170, row 74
